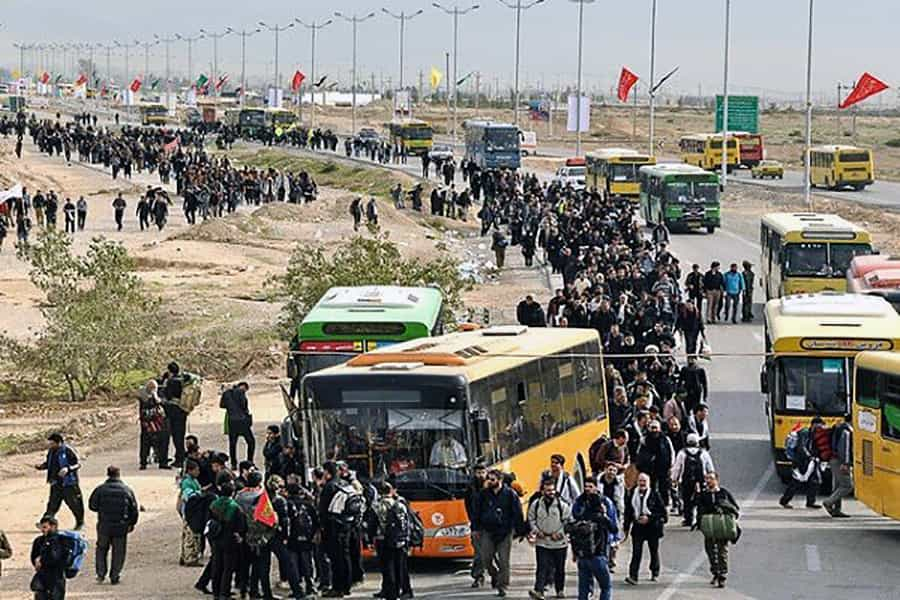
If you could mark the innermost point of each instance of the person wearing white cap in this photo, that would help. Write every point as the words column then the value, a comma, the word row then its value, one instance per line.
column 692, row 465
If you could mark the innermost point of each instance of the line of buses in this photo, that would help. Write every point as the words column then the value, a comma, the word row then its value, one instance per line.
column 832, row 337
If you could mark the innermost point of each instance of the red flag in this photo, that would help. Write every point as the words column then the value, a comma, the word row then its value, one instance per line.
column 82, row 79
column 222, row 80
column 264, row 512
column 171, row 146
column 297, row 81
column 45, row 77
column 135, row 85
column 865, row 87
column 626, row 81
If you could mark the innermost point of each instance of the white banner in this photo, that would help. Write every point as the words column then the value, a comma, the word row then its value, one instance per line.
column 191, row 97
column 275, row 97
column 402, row 102
column 585, row 123
column 13, row 192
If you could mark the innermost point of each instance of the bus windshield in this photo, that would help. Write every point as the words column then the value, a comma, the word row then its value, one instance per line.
column 499, row 140
column 842, row 254
column 253, row 117
column 806, row 260
column 688, row 192
column 814, row 385
column 413, row 435
column 846, row 157
column 417, row 133
column 623, row 172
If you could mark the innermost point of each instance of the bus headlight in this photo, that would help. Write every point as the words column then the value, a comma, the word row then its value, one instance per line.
column 454, row 531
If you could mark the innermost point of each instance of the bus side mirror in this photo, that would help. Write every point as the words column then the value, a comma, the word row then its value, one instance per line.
column 764, row 379
column 482, row 429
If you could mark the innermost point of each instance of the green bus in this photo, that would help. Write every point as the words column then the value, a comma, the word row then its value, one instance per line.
column 350, row 320
column 680, row 196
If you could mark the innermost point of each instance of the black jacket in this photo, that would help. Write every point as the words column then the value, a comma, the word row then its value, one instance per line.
column 473, row 490
column 116, row 508
column 712, row 502
column 498, row 514
column 50, row 549
column 658, row 515
column 235, row 403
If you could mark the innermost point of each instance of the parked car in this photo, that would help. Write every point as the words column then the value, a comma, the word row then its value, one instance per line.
column 767, row 169
column 441, row 152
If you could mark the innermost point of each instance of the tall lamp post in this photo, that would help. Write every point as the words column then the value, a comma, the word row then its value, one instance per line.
column 581, row 4
column 127, row 48
column 168, row 43
column 651, row 97
column 146, row 46
column 725, row 96
column 314, row 28
column 215, row 72
column 809, row 45
column 244, row 33
column 190, row 48
column 455, row 12
column 402, row 17
column 354, row 21
column 277, row 29
column 518, row 6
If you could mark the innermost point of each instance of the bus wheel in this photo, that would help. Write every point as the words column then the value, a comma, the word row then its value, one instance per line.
column 710, row 229
column 858, row 187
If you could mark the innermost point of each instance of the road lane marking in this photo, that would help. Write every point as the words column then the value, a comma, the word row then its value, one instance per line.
column 813, row 562
column 698, row 561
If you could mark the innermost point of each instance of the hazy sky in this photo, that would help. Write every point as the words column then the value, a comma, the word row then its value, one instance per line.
column 768, row 39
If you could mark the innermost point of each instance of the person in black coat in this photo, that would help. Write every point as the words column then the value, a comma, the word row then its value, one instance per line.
column 714, row 500
column 645, row 518
column 62, row 468
column 171, row 385
column 48, row 556
column 117, row 514
column 497, row 518
column 240, row 421
column 530, row 313
column 473, row 491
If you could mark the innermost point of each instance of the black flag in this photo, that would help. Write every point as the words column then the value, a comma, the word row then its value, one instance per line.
column 321, row 81
column 663, row 80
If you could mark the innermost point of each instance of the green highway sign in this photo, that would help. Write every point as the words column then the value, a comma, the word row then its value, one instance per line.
column 743, row 113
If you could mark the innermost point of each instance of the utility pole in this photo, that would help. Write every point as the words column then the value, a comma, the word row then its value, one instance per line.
column 190, row 54
column 806, row 173
column 244, row 33
column 455, row 12
column 518, row 7
column 146, row 46
column 581, row 4
column 650, row 93
column 277, row 29
column 314, row 28
column 725, row 96
column 168, row 43
column 447, row 87
column 354, row 21
column 215, row 66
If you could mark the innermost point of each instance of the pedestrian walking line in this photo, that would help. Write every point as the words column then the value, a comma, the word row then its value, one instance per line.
column 747, row 503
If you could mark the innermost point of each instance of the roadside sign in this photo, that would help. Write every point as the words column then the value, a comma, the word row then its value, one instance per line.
column 743, row 113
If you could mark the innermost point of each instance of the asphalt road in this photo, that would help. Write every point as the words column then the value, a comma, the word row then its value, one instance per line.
column 882, row 194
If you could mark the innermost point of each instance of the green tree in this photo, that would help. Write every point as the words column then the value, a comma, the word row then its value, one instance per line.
column 100, row 320
column 361, row 261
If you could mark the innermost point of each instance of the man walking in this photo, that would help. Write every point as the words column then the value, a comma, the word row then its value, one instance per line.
column 692, row 465
column 69, row 212
column 565, row 486
column 498, row 514
column 645, row 516
column 48, row 557
column 717, row 500
column 119, row 205
column 172, row 389
column 548, row 516
column 81, row 208
column 747, row 299
column 595, row 525
column 841, row 464
column 239, row 421
column 62, row 474
column 473, row 491
column 713, row 285
column 117, row 514
column 734, row 289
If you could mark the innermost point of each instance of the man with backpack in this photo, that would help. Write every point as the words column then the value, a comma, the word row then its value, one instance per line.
column 548, row 515
column 841, row 465
column 239, row 420
column 801, row 451
column 565, row 486
column 692, row 465
column 340, row 510
column 62, row 468
column 497, row 516
column 259, row 534
column 304, row 530
column 594, row 525
column 278, row 545
column 392, row 540
column 49, row 557
column 117, row 514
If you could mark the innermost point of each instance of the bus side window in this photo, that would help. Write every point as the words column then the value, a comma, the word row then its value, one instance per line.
column 867, row 393
column 567, row 377
column 890, row 407
column 530, row 403
column 481, row 401
column 552, row 415
column 589, row 392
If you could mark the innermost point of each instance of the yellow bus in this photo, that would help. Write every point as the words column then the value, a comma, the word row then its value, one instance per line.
column 876, row 432
column 614, row 171
column 808, row 252
column 510, row 396
column 280, row 118
column 414, row 135
column 704, row 150
column 834, row 167
column 154, row 114
column 811, row 341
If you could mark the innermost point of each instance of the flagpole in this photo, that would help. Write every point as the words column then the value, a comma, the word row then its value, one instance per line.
column 518, row 7
column 725, row 97
column 403, row 18
column 354, row 21
column 650, row 93
column 313, row 27
column 806, row 174
column 277, row 76
column 455, row 12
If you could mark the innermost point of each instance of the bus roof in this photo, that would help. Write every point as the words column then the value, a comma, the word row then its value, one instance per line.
column 815, row 226
column 885, row 362
column 473, row 354
column 676, row 169
column 809, row 321
column 612, row 153
column 485, row 124
column 837, row 148
column 707, row 136
column 410, row 122
column 371, row 303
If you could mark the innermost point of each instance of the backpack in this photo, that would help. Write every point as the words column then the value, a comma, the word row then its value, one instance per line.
column 258, row 533
column 693, row 468
column 347, row 506
column 581, row 534
column 597, row 453
column 416, row 528
column 822, row 443
column 191, row 391
column 397, row 528
column 836, row 433
column 302, row 524
column 796, row 444
column 76, row 550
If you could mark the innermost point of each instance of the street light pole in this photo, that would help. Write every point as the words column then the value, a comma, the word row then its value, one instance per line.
column 354, row 21
column 314, row 28
column 650, row 93
column 725, row 96
column 277, row 29
column 518, row 7
column 455, row 12
column 146, row 46
column 402, row 17
column 127, row 48
column 168, row 43
column 215, row 72
column 806, row 173
column 581, row 4
column 190, row 48
column 244, row 33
